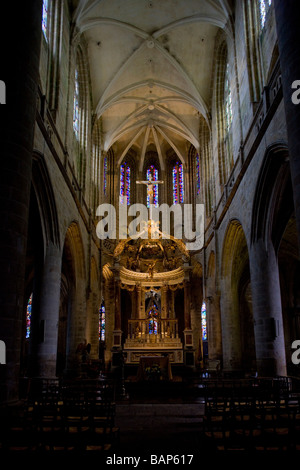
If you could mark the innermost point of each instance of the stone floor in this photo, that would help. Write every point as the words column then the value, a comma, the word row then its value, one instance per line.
column 162, row 427
column 159, row 419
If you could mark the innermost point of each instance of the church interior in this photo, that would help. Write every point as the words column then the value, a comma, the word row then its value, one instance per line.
column 150, row 220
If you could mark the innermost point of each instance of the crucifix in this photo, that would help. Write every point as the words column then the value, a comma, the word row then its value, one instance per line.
column 150, row 183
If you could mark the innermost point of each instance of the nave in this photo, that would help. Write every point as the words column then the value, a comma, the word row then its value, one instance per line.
column 194, row 102
column 198, row 416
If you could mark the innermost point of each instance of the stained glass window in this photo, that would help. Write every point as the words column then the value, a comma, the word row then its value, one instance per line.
column 203, row 322
column 198, row 173
column 76, row 106
column 153, row 323
column 178, row 186
column 153, row 326
column 227, row 99
column 45, row 19
column 264, row 6
column 28, row 317
column 105, row 174
column 102, row 320
column 125, row 183
column 153, row 173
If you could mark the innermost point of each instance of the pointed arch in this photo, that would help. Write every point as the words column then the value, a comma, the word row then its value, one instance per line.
column 223, row 103
column 74, row 251
column 236, row 314
column 81, row 110
column 43, row 189
column 211, row 265
column 269, row 218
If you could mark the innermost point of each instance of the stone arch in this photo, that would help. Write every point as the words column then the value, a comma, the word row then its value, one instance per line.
column 274, row 223
column 35, row 254
column 272, row 184
column 211, row 265
column 81, row 140
column 237, row 333
column 72, row 317
column 75, row 250
column 43, row 227
column 42, row 280
column 273, row 211
column 225, row 157
column 43, row 189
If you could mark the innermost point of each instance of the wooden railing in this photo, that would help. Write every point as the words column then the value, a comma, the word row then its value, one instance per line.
column 144, row 328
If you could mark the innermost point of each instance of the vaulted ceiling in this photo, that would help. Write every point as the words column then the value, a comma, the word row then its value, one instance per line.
column 151, row 68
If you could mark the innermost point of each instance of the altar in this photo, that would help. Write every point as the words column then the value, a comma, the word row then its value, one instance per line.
column 154, row 368
column 151, row 275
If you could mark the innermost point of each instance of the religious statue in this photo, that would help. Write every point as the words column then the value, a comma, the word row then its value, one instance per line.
column 150, row 183
column 151, row 268
column 83, row 350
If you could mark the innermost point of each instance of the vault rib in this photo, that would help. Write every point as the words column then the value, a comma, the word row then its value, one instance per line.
column 133, row 140
column 174, row 147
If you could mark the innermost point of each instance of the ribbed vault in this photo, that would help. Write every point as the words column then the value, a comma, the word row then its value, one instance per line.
column 150, row 79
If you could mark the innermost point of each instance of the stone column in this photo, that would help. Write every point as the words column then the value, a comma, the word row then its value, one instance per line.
column 267, row 310
column 138, row 300
column 188, row 333
column 117, row 330
column 287, row 15
column 164, row 303
column 171, row 305
column 187, row 305
column 49, row 313
column 214, row 328
column 142, row 311
column 19, row 71
column 118, row 306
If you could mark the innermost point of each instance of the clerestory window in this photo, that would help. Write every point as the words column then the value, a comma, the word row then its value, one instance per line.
column 45, row 19
column 178, row 183
column 152, row 173
column 125, row 183
column 264, row 6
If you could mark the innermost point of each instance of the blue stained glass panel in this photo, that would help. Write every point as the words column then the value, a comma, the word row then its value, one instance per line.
column 76, row 106
column 102, row 321
column 28, row 317
column 227, row 99
column 153, row 324
column 125, row 182
column 153, row 173
column 264, row 6
column 45, row 19
column 198, row 174
column 203, row 322
column 178, row 183
column 105, row 174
